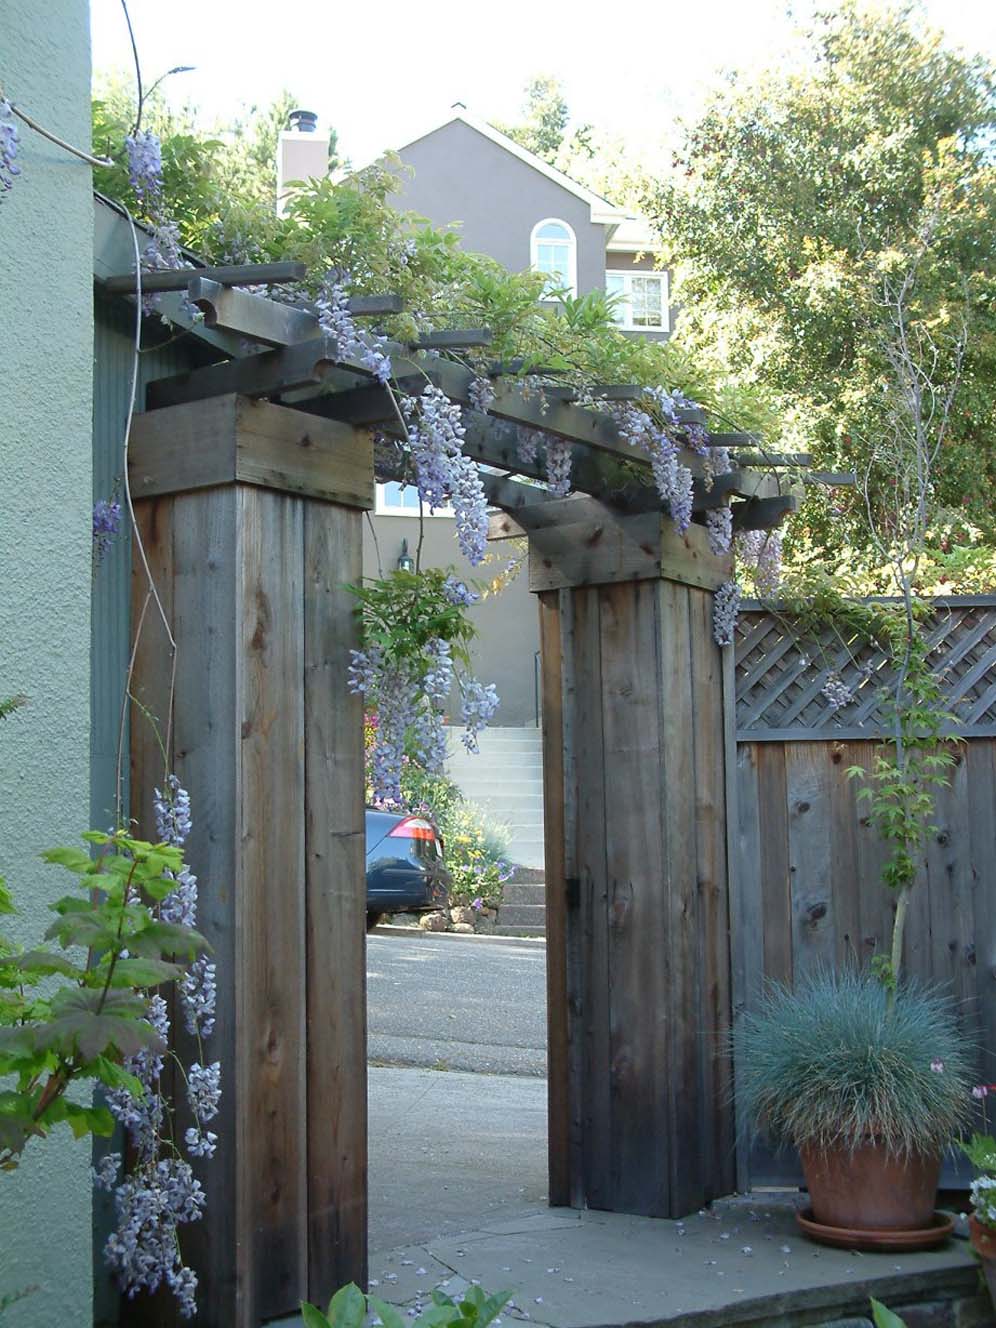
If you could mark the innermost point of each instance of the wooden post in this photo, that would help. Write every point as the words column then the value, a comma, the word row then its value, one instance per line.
column 637, row 779
column 250, row 515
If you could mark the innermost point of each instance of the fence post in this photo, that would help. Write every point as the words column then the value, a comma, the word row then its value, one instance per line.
column 250, row 515
column 637, row 752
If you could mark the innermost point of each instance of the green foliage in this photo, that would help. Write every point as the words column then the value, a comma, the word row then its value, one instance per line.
column 831, row 1066
column 349, row 1308
column 77, row 1012
column 475, row 848
column 981, row 1152
column 403, row 611
column 884, row 1318
column 798, row 198
column 11, row 703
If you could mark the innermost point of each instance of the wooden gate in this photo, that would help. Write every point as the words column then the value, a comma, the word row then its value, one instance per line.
column 636, row 743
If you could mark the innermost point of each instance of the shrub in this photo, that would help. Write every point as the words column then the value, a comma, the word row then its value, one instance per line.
column 475, row 846
column 830, row 1066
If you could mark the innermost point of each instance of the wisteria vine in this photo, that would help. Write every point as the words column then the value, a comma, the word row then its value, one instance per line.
column 160, row 1192
column 415, row 657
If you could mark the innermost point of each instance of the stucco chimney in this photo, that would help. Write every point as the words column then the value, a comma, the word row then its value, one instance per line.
column 302, row 154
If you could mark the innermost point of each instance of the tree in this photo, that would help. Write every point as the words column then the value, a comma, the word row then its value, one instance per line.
column 796, row 197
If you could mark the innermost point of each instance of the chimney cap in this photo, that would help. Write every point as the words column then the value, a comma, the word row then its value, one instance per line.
column 305, row 122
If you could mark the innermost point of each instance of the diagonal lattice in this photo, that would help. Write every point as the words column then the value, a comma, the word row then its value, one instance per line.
column 781, row 676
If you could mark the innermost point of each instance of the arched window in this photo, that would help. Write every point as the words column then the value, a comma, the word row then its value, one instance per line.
column 554, row 251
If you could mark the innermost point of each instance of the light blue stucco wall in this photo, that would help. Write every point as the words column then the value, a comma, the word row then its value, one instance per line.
column 46, row 322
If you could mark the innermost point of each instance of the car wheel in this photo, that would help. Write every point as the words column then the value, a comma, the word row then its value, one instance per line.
column 373, row 919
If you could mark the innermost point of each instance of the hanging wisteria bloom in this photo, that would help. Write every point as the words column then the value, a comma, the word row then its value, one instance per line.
column 559, row 460
column 526, row 444
column 761, row 551
column 335, row 319
column 9, row 140
column 444, row 474
column 145, row 166
column 836, row 692
column 482, row 394
column 725, row 611
column 160, row 1193
column 478, row 705
column 459, row 593
column 719, row 525
column 106, row 524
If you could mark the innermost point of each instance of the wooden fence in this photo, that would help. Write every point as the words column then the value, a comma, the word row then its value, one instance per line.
column 808, row 863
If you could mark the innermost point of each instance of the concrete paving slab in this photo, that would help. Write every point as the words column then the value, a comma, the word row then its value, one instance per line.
column 742, row 1262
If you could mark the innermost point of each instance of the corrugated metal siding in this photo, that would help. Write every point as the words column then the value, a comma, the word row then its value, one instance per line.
column 114, row 331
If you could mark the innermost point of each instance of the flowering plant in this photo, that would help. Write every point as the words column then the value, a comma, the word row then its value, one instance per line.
column 981, row 1152
column 476, row 850
column 113, row 948
column 416, row 636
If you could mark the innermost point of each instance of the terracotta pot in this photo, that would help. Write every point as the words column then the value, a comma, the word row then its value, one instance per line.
column 984, row 1244
column 870, row 1189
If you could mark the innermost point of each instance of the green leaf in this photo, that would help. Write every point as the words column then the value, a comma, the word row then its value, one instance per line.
column 42, row 963
column 347, row 1308
column 80, row 1021
column 6, row 898
column 139, row 973
column 884, row 1318
column 390, row 1316
column 112, row 1075
column 72, row 858
column 159, row 938
column 312, row 1316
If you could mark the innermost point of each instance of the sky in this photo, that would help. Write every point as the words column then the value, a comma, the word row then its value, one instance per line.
column 381, row 73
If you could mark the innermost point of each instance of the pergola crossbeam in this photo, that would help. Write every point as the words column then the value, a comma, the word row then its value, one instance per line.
column 233, row 274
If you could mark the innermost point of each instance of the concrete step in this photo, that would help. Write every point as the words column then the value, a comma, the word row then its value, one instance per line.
column 519, row 931
column 521, row 915
column 516, row 892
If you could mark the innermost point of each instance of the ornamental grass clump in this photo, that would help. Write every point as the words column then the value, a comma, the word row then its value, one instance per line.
column 831, row 1066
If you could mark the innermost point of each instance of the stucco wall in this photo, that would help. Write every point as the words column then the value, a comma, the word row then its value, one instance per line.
column 507, row 623
column 46, row 297
column 460, row 175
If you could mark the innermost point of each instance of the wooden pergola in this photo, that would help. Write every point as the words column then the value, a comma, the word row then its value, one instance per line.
column 250, row 477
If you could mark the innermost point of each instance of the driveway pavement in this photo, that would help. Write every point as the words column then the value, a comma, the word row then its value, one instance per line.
column 449, row 1151
column 476, row 1006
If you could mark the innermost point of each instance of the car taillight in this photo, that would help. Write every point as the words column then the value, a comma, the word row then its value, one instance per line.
column 413, row 827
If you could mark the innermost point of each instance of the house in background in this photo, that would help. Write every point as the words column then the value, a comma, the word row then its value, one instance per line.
column 516, row 208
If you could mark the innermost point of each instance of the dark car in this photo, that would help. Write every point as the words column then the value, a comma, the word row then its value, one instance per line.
column 405, row 872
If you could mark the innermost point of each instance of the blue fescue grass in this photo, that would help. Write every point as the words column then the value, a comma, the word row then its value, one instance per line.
column 829, row 1066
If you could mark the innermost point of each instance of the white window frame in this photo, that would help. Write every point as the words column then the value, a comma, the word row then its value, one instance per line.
column 627, row 301
column 570, row 244
column 383, row 508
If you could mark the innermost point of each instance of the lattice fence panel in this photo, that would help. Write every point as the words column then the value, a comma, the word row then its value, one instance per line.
column 782, row 677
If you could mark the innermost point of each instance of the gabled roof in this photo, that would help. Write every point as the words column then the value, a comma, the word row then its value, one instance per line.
column 603, row 212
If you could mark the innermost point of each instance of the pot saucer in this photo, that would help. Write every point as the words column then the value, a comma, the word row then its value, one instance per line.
column 848, row 1238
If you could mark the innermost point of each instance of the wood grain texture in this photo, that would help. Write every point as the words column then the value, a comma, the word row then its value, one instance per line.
column 554, row 829
column 235, row 438
column 639, row 1069
column 271, row 997
column 336, row 907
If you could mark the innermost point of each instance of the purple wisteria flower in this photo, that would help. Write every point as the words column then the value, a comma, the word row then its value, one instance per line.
column 443, row 472
column 336, row 321
column 172, row 811
column 9, row 140
column 478, row 705
column 559, row 460
column 836, row 692
column 145, row 166
column 526, row 444
column 725, row 610
column 459, row 593
column 144, row 1249
column 719, row 525
column 482, row 394
column 106, row 524
column 439, row 676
